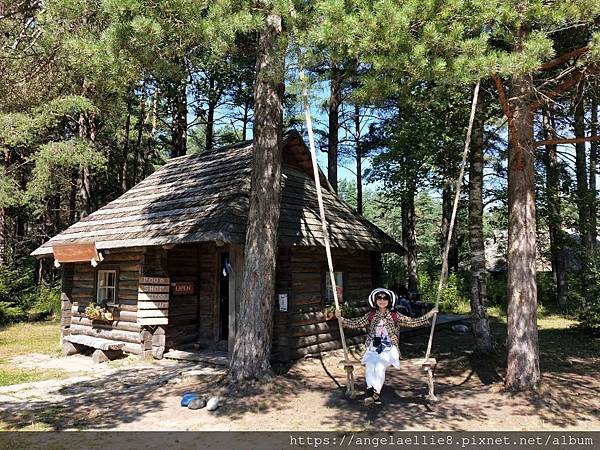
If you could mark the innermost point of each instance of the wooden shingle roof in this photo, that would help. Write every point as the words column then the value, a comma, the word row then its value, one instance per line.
column 205, row 197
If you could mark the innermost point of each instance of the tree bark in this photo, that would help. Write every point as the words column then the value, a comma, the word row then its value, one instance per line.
column 252, row 350
column 2, row 236
column 583, row 195
column 332, row 141
column 523, row 371
column 557, row 240
column 124, row 169
column 593, row 171
column 140, row 131
column 478, row 298
column 358, row 146
column 179, row 126
column 85, row 190
column 246, row 120
column 409, row 239
column 447, row 204
column 210, row 114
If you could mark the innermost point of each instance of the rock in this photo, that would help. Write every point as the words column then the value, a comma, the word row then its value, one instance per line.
column 197, row 403
column 212, row 404
column 460, row 328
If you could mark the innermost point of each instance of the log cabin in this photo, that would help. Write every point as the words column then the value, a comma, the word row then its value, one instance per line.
column 165, row 259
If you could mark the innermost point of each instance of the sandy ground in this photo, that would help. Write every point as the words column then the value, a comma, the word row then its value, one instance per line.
column 133, row 394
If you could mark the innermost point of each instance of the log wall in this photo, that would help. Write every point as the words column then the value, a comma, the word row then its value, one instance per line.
column 303, row 329
column 183, row 265
column 79, row 287
column 207, row 293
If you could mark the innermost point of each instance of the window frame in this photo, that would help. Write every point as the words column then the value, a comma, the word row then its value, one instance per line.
column 97, row 287
column 326, row 281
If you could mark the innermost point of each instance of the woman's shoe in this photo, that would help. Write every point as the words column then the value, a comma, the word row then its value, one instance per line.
column 376, row 398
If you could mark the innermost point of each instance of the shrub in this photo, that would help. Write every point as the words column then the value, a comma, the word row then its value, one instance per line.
column 21, row 299
column 46, row 303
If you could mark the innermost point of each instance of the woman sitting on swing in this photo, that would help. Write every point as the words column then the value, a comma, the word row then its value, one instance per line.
column 382, row 325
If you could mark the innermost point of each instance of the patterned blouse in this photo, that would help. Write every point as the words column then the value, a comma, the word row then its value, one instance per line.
column 392, row 327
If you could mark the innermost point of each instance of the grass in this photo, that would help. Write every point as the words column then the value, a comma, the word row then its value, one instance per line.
column 25, row 338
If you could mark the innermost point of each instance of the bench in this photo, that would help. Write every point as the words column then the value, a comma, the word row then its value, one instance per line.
column 105, row 349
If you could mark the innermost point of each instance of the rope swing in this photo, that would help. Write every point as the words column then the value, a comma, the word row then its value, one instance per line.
column 348, row 365
column 427, row 363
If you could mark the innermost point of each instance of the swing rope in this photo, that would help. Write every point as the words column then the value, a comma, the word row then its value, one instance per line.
column 313, row 153
column 459, row 181
column 427, row 363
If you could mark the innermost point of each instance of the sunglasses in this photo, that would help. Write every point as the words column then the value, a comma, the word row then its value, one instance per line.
column 381, row 297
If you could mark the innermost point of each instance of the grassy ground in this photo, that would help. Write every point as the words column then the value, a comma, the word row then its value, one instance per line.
column 23, row 339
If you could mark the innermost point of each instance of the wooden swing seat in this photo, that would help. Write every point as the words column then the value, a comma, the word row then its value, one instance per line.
column 349, row 363
column 424, row 363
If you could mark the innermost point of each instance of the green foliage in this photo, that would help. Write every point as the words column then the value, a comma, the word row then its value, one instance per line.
column 55, row 163
column 454, row 297
column 46, row 304
column 21, row 299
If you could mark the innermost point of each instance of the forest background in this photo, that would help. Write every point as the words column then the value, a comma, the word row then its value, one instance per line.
column 97, row 94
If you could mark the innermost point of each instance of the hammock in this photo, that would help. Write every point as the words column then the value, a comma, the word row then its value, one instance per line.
column 427, row 364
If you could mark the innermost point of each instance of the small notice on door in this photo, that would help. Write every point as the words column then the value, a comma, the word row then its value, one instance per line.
column 283, row 302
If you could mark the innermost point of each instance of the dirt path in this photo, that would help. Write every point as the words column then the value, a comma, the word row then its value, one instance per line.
column 138, row 395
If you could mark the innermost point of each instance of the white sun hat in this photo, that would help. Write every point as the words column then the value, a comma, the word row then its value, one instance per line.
column 390, row 294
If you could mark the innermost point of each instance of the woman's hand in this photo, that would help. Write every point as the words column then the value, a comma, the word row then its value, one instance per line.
column 435, row 310
column 338, row 314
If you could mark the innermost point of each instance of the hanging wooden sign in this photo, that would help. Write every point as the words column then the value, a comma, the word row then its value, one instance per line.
column 153, row 301
column 64, row 253
column 154, row 280
column 153, row 288
column 183, row 288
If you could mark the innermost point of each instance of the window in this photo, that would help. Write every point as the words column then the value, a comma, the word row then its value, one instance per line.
column 107, row 286
column 339, row 282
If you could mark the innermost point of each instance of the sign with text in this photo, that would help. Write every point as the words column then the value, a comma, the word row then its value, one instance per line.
column 153, row 300
column 183, row 288
column 283, row 302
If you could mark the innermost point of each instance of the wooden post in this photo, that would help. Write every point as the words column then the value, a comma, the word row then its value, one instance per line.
column 236, row 259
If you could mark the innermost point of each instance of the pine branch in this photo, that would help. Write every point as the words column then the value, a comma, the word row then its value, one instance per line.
column 505, row 105
column 564, row 58
column 568, row 84
column 567, row 141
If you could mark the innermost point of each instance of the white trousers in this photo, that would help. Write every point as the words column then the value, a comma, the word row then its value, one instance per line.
column 377, row 363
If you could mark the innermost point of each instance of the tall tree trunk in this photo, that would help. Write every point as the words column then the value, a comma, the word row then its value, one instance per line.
column 557, row 238
column 124, row 169
column 582, row 196
column 593, row 171
column 252, row 349
column 210, row 114
column 479, row 318
column 85, row 190
column 447, row 204
column 358, row 146
column 140, row 131
column 73, row 197
column 246, row 120
column 409, row 239
column 523, row 371
column 334, row 125
column 179, row 125
column 2, row 235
